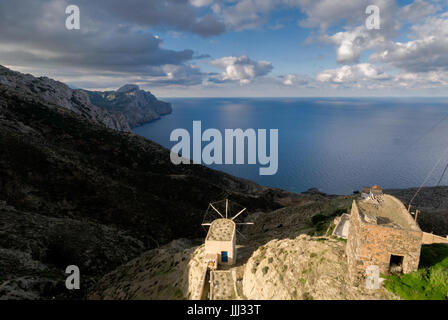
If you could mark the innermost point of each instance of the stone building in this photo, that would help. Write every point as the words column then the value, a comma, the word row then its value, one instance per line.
column 382, row 233
column 371, row 191
column 220, row 243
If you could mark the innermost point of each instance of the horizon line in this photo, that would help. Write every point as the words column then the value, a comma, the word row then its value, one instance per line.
column 306, row 97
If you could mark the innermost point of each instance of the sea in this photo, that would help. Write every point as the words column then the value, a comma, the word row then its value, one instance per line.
column 337, row 145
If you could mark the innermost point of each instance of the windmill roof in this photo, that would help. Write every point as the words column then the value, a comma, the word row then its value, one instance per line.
column 221, row 230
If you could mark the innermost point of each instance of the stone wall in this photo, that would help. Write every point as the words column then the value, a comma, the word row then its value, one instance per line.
column 216, row 247
column 379, row 243
column 353, row 242
column 370, row 244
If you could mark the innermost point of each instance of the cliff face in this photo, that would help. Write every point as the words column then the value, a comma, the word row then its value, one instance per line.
column 58, row 93
column 73, row 191
column 138, row 106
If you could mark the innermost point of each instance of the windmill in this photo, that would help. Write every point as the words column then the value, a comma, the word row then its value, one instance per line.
column 224, row 209
column 222, row 218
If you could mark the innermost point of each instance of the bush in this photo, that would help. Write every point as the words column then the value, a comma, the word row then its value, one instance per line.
column 318, row 218
column 321, row 222
column 265, row 270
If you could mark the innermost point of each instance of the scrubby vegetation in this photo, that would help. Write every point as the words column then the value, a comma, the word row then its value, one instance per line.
column 322, row 221
column 430, row 282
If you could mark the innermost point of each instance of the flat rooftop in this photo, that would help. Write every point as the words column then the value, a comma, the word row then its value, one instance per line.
column 221, row 230
column 222, row 285
column 388, row 212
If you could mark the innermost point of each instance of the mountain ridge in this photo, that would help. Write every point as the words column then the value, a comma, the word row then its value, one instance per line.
column 121, row 110
column 56, row 92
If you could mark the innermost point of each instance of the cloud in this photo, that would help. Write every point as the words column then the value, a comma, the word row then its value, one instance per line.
column 428, row 51
column 240, row 69
column 351, row 74
column 326, row 13
column 201, row 3
column 115, row 45
column 180, row 75
column 420, row 80
column 367, row 76
column 251, row 14
column 181, row 15
column 294, row 79
column 322, row 14
column 113, row 39
column 418, row 10
column 350, row 44
column 356, row 38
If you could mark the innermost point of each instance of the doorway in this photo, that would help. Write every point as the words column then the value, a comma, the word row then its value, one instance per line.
column 396, row 264
column 224, row 256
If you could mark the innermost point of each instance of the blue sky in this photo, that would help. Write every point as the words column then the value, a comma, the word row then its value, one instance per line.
column 234, row 47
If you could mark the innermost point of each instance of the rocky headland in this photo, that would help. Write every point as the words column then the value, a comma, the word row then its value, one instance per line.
column 137, row 106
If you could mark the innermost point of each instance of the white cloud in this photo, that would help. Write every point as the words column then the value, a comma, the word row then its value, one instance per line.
column 350, row 74
column 366, row 76
column 350, row 44
column 325, row 13
column 417, row 10
column 294, row 79
column 241, row 69
column 201, row 3
column 427, row 51
column 250, row 14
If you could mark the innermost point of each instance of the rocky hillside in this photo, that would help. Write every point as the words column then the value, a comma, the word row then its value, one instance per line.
column 35, row 249
column 169, row 272
column 138, row 106
column 301, row 268
column 304, row 268
column 172, row 271
column 76, row 192
column 58, row 93
column 284, row 255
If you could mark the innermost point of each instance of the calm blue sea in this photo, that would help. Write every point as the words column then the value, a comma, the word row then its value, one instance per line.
column 335, row 145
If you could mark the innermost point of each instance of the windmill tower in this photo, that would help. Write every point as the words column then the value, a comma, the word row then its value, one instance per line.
column 220, row 243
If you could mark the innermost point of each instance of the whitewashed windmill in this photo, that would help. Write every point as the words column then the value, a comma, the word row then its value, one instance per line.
column 220, row 243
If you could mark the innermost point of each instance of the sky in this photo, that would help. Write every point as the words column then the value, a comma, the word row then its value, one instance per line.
column 233, row 48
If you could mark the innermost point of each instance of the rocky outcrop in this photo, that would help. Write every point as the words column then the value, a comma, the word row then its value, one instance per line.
column 138, row 106
column 304, row 268
column 60, row 94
